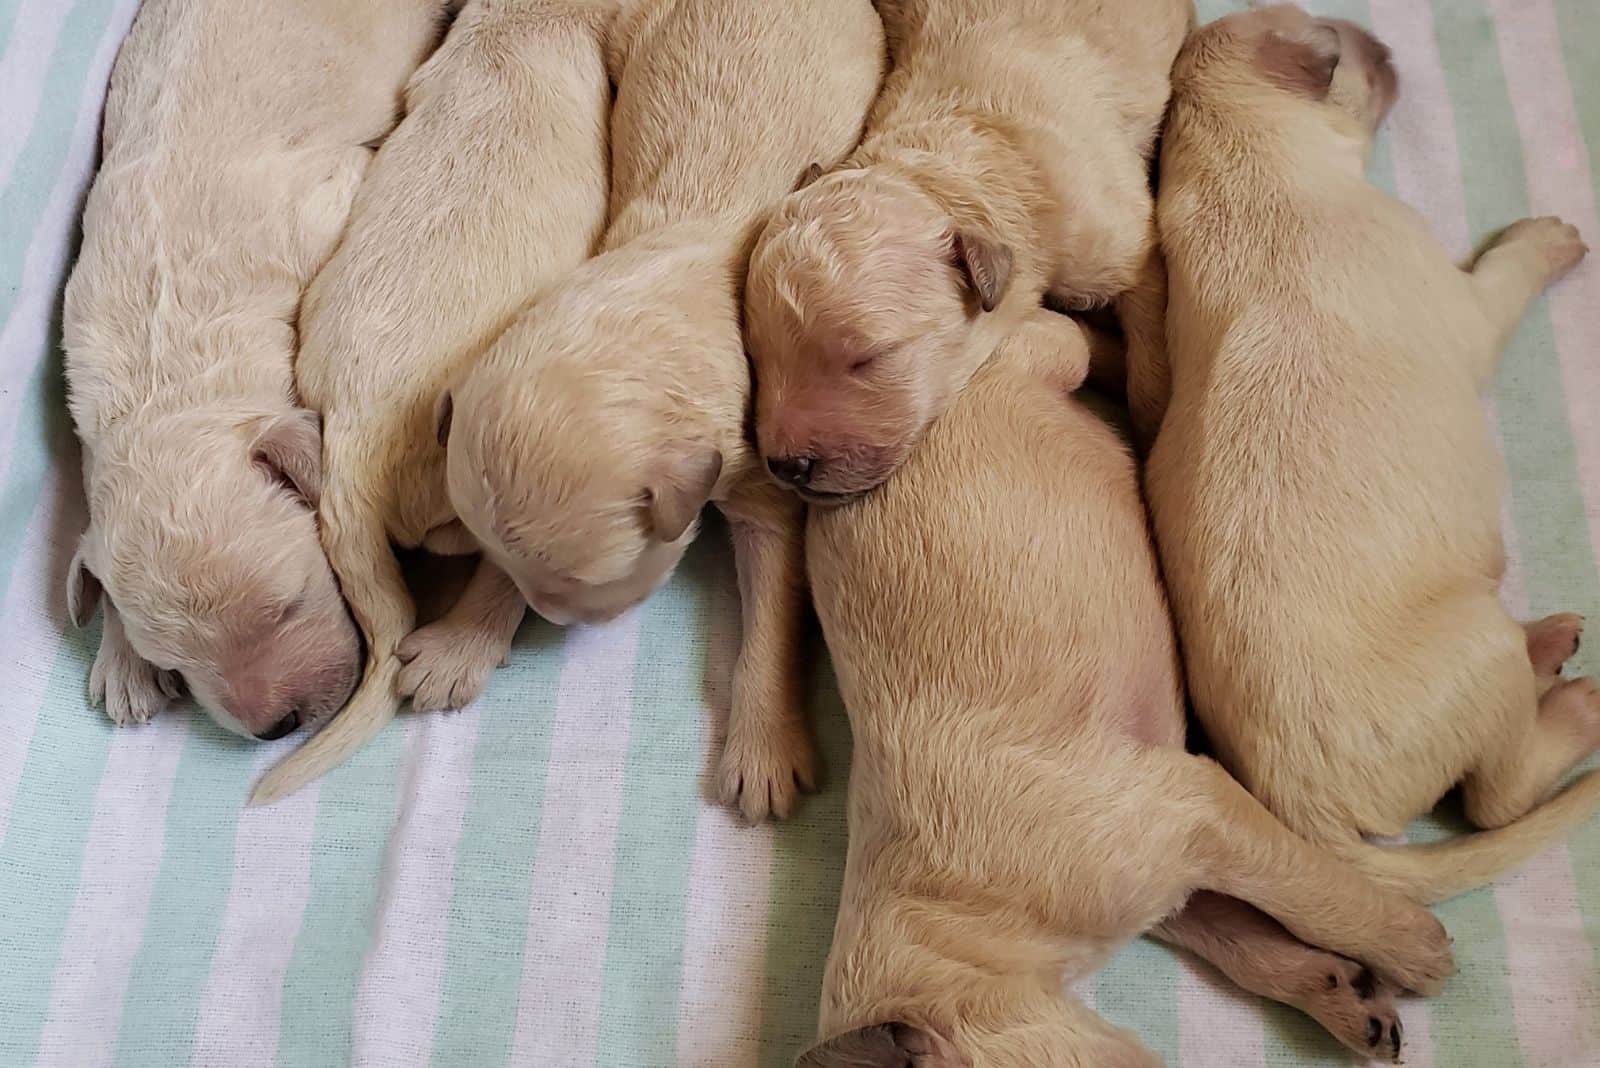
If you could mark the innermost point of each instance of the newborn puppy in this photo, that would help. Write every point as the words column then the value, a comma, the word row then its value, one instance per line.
column 585, row 442
column 1326, row 494
column 1020, row 800
column 1006, row 160
column 493, row 185
column 235, row 134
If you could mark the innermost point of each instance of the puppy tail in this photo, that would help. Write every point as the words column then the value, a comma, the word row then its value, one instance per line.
column 369, row 575
column 1444, row 869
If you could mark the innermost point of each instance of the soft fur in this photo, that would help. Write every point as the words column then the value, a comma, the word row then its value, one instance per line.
column 235, row 135
column 1020, row 801
column 1006, row 160
column 585, row 443
column 493, row 186
column 1325, row 490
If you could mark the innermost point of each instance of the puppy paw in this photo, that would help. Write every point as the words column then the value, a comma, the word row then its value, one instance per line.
column 1574, row 705
column 1558, row 243
column 766, row 769
column 1416, row 956
column 1357, row 1009
column 1552, row 641
column 131, row 689
column 447, row 665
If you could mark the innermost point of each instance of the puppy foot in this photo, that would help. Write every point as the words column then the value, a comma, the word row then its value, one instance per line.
column 1553, row 641
column 1574, row 705
column 765, row 770
column 132, row 690
column 1416, row 956
column 1558, row 244
column 1358, row 1010
column 447, row 665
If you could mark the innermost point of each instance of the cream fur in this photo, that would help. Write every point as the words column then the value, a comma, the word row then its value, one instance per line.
column 1006, row 159
column 585, row 442
column 235, row 135
column 1325, row 491
column 1020, row 801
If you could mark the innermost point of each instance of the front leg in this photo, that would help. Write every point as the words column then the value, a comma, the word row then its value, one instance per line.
column 1524, row 260
column 1054, row 346
column 132, row 689
column 769, row 758
column 448, row 662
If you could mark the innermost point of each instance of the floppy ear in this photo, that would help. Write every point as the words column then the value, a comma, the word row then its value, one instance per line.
column 812, row 173
column 1302, row 62
column 987, row 264
column 444, row 410
column 890, row 1045
column 289, row 447
column 83, row 591
column 677, row 493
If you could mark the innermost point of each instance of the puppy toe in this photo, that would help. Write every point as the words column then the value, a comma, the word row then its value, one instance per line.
column 1358, row 1010
column 767, row 777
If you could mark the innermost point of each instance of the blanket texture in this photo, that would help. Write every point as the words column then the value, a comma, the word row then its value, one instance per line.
column 540, row 880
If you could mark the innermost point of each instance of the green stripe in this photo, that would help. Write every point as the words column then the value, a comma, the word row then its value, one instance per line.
column 1138, row 989
column 488, row 920
column 807, row 869
column 650, row 891
column 42, row 855
column 356, row 808
column 189, row 898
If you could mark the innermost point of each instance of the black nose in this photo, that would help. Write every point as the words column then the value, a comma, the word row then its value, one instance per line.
column 284, row 726
column 795, row 470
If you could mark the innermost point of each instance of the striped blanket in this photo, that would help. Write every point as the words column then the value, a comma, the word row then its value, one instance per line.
column 539, row 880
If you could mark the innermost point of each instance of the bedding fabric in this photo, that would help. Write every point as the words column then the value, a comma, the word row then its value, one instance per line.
column 539, row 880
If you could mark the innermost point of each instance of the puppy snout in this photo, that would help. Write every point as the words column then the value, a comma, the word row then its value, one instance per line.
column 285, row 726
column 793, row 470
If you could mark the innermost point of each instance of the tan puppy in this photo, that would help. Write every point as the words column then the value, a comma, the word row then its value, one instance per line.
column 1006, row 159
column 584, row 444
column 493, row 186
column 1325, row 492
column 235, row 134
column 1020, row 801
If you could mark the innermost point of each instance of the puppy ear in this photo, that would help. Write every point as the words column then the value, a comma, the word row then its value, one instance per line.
column 811, row 174
column 444, row 410
column 83, row 591
column 890, row 1045
column 1302, row 61
column 987, row 264
column 289, row 447
column 678, row 493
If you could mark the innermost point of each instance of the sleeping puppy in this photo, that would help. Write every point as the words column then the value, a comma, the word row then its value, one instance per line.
column 225, row 184
column 1007, row 160
column 1020, row 800
column 492, row 186
column 585, row 442
column 1326, row 494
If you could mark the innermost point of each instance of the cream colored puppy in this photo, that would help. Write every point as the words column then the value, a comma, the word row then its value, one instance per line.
column 1020, row 801
column 1325, row 491
column 584, row 444
column 1007, row 159
column 492, row 186
column 235, row 134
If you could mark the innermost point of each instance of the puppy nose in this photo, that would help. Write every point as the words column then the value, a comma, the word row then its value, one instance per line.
column 795, row 470
column 284, row 726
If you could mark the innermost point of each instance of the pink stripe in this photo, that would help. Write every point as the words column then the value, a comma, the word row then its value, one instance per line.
column 1552, row 978
column 1560, row 182
column 1218, row 1023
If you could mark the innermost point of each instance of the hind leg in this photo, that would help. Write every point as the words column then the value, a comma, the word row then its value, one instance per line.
column 1255, row 952
column 1517, row 774
column 1050, row 1029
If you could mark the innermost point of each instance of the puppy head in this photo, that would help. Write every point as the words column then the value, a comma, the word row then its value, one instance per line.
column 1328, row 62
column 860, row 306
column 577, row 483
column 204, row 540
column 887, row 1045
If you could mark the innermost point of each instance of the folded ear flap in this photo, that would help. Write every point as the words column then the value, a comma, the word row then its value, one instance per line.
column 1302, row 61
column 890, row 1045
column 289, row 447
column 444, row 410
column 83, row 591
column 987, row 263
column 678, row 492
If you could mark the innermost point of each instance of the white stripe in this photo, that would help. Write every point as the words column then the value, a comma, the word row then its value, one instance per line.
column 1218, row 1023
column 22, row 74
column 570, row 912
column 237, row 1025
column 397, row 1003
column 1417, row 1021
column 121, row 858
column 1551, row 964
